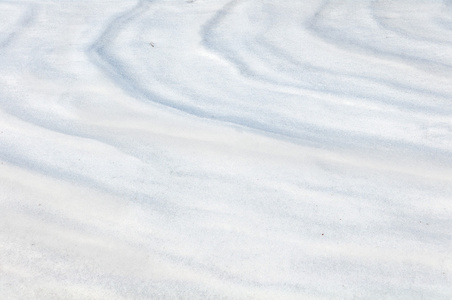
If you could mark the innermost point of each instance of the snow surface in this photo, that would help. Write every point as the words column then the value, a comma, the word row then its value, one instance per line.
column 211, row 149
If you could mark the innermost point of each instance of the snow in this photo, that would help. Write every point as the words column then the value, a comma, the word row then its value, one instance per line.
column 213, row 149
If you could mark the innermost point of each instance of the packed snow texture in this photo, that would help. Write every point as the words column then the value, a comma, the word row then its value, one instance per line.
column 212, row 149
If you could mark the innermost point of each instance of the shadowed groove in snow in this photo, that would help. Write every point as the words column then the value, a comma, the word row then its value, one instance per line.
column 103, row 54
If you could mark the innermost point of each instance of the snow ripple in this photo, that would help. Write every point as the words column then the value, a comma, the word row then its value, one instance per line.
column 225, row 149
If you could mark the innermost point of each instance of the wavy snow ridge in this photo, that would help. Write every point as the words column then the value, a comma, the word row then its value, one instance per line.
column 256, row 150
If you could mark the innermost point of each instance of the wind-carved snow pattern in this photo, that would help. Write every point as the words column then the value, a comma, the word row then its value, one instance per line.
column 225, row 149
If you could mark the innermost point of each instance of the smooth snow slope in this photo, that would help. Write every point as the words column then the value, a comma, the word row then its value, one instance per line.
column 211, row 149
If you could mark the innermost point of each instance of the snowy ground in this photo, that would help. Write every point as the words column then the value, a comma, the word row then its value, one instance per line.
column 212, row 149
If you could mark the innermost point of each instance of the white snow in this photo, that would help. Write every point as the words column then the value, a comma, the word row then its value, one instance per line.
column 213, row 149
